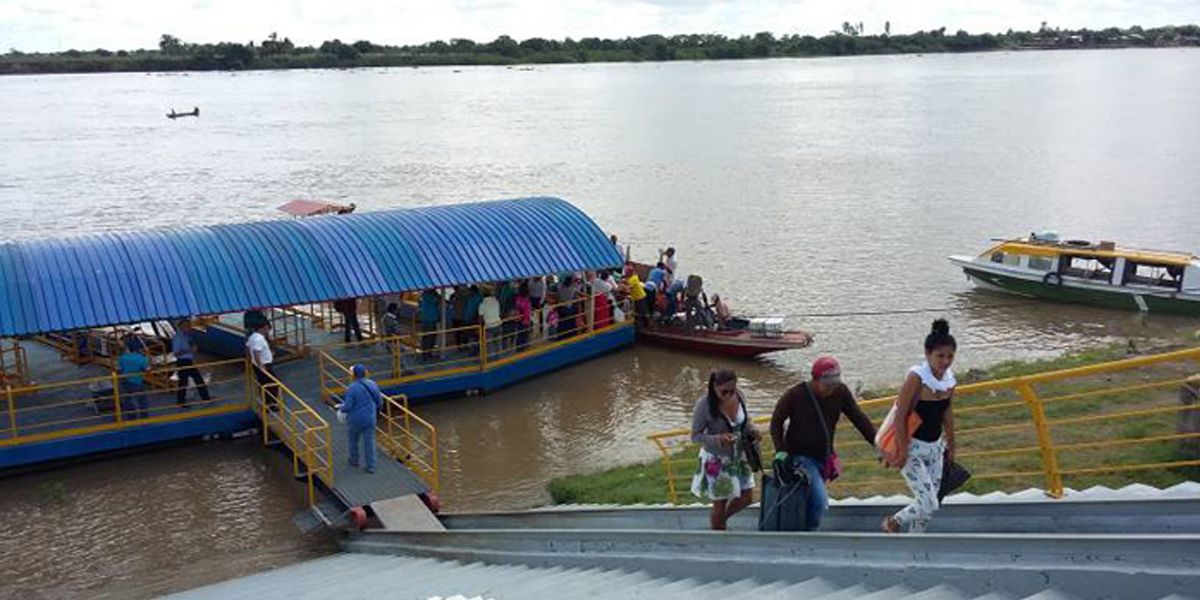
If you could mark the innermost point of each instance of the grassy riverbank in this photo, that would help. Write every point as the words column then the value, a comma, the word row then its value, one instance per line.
column 1006, row 458
column 174, row 54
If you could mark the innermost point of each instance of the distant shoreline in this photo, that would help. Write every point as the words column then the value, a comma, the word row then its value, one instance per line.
column 176, row 56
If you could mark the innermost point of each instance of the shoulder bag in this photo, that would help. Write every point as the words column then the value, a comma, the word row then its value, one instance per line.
column 832, row 469
column 751, row 447
column 885, row 438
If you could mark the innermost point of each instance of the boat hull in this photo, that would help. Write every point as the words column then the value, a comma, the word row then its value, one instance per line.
column 1119, row 298
column 740, row 344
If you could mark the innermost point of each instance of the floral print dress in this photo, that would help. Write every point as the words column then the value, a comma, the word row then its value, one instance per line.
column 724, row 477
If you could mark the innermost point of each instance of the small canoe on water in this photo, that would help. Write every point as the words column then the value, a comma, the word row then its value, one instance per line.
column 745, row 337
column 195, row 112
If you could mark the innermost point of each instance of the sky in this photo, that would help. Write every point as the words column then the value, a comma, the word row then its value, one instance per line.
column 56, row 25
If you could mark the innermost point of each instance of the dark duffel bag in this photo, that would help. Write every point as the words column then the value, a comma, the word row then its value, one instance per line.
column 784, row 505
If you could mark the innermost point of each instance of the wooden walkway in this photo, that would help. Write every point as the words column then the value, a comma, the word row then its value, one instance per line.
column 352, row 486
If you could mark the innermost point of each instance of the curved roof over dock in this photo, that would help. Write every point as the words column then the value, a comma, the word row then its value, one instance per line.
column 114, row 278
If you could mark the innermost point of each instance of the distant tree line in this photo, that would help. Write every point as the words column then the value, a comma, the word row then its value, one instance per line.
column 174, row 54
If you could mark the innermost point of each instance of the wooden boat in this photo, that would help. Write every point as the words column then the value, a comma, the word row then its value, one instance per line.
column 744, row 338
column 195, row 112
column 312, row 208
column 1102, row 274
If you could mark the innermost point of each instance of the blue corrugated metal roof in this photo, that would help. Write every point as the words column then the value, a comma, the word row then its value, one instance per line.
column 108, row 279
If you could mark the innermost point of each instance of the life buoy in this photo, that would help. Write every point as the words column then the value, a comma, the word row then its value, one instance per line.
column 1055, row 276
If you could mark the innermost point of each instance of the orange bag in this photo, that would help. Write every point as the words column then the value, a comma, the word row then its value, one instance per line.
column 885, row 438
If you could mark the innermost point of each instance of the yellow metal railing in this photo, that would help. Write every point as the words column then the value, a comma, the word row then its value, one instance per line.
column 1107, row 418
column 14, row 366
column 66, row 409
column 401, row 432
column 297, row 426
column 440, row 353
column 289, row 331
column 409, row 439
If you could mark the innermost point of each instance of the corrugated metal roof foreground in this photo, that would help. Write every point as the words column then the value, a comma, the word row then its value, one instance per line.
column 108, row 279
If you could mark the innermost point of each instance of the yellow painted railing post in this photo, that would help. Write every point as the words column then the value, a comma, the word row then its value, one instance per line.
column 321, row 377
column 397, row 359
column 590, row 307
column 308, row 460
column 1054, row 485
column 408, row 432
column 434, row 460
column 12, row 410
column 672, row 495
column 483, row 353
column 328, row 456
column 116, row 388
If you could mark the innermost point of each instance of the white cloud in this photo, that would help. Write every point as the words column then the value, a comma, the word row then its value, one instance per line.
column 48, row 25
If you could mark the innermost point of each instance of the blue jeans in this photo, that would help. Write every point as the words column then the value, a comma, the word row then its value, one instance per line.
column 134, row 400
column 367, row 435
column 818, row 498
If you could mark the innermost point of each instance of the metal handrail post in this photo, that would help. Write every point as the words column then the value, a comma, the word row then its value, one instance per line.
column 397, row 359
column 116, row 383
column 434, row 460
column 12, row 410
column 308, row 458
column 667, row 471
column 321, row 376
column 328, row 455
column 483, row 354
column 1054, row 485
column 590, row 307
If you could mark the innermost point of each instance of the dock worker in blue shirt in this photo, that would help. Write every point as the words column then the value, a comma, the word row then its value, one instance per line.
column 363, row 403
column 430, row 309
column 133, row 365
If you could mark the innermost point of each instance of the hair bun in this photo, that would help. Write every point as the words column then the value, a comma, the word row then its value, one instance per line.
column 941, row 327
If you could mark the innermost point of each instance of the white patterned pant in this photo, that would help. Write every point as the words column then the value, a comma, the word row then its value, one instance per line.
column 923, row 472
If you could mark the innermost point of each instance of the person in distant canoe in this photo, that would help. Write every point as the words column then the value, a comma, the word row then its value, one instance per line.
column 809, row 435
column 363, row 403
column 928, row 389
column 722, row 426
column 720, row 310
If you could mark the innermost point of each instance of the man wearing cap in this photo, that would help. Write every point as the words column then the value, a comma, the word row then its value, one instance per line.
column 808, row 435
column 363, row 402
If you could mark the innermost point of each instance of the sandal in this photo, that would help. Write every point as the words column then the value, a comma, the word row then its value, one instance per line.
column 891, row 525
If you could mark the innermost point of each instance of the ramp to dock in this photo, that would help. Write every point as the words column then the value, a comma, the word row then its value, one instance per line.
column 350, row 486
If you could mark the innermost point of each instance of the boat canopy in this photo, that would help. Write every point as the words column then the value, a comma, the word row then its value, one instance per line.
column 131, row 277
column 1057, row 249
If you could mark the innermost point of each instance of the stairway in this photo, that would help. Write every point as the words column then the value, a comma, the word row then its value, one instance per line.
column 350, row 576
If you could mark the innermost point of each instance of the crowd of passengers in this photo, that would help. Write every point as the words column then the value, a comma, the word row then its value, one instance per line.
column 514, row 314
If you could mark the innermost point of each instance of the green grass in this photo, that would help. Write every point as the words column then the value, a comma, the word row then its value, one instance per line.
column 646, row 483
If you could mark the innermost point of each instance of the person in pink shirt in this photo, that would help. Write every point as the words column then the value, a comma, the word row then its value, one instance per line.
column 524, row 308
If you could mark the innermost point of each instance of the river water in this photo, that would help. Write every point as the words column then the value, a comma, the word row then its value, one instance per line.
column 796, row 187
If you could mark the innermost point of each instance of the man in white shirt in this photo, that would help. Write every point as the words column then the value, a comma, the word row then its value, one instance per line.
column 489, row 315
column 260, row 356
column 668, row 260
